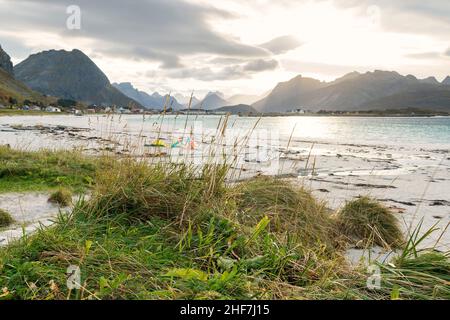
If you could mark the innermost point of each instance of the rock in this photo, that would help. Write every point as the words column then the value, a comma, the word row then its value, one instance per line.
column 5, row 62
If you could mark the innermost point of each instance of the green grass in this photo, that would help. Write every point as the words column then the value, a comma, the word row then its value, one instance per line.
column 45, row 170
column 369, row 222
column 5, row 219
column 16, row 112
column 62, row 197
column 171, row 231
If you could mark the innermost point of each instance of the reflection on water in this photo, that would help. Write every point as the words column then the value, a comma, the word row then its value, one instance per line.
column 423, row 132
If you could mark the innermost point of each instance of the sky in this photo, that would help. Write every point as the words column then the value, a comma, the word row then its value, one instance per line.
column 234, row 46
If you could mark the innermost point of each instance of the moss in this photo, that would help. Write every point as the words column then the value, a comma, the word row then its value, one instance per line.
column 369, row 221
column 5, row 219
column 62, row 197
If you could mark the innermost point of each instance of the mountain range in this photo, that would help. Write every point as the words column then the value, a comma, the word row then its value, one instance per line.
column 153, row 101
column 69, row 75
column 357, row 92
column 73, row 75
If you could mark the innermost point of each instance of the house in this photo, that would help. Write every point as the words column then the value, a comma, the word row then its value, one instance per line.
column 124, row 111
column 76, row 112
column 52, row 109
column 194, row 111
column 299, row 111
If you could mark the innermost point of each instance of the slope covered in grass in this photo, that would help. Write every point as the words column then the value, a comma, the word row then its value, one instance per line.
column 12, row 88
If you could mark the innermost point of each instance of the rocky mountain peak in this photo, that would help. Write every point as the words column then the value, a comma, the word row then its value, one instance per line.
column 5, row 62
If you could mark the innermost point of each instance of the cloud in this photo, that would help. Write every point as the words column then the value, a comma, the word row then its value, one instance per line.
column 230, row 72
column 282, row 44
column 158, row 30
column 261, row 65
column 424, row 55
column 407, row 16
column 447, row 53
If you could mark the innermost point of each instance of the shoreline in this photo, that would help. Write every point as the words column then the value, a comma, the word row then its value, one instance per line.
column 411, row 180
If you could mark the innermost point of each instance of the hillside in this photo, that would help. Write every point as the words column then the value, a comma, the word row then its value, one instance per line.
column 288, row 95
column 11, row 88
column 434, row 99
column 240, row 108
column 69, row 75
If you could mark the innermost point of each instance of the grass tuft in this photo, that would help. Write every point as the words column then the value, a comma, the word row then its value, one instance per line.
column 290, row 209
column 62, row 197
column 5, row 219
column 369, row 222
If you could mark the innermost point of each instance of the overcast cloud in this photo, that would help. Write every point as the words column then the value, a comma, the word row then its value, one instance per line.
column 235, row 43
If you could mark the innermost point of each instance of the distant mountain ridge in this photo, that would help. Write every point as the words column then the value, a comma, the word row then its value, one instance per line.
column 240, row 108
column 70, row 75
column 212, row 100
column 154, row 101
column 243, row 99
column 356, row 91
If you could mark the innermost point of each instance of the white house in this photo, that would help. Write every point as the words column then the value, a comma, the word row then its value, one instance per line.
column 299, row 111
column 52, row 109
column 124, row 111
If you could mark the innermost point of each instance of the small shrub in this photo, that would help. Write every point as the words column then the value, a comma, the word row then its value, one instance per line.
column 62, row 197
column 5, row 219
column 369, row 221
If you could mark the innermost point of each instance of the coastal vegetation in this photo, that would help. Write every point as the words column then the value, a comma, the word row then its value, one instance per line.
column 5, row 218
column 176, row 231
column 62, row 197
column 46, row 170
column 370, row 222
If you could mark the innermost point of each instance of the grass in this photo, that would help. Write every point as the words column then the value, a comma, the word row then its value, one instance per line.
column 5, row 219
column 17, row 112
column 369, row 222
column 174, row 231
column 46, row 170
column 62, row 197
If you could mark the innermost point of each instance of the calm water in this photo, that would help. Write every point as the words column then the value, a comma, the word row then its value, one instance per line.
column 424, row 132
column 389, row 131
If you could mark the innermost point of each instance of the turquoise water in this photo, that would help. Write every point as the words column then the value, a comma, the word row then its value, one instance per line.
column 434, row 131
column 418, row 132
